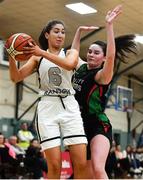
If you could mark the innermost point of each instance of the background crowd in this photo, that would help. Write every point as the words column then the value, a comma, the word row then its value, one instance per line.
column 21, row 157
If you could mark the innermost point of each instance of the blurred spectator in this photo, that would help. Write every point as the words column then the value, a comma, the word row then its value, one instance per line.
column 5, row 154
column 118, row 152
column 117, row 165
column 14, row 145
column 133, row 161
column 35, row 162
column 111, row 163
column 25, row 136
column 122, row 163
column 140, row 141
column 7, row 162
column 32, row 129
column 34, row 143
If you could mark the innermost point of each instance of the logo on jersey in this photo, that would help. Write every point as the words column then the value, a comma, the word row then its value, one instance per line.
column 57, row 91
column 77, row 84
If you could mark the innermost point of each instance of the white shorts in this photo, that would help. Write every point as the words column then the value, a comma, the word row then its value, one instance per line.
column 55, row 123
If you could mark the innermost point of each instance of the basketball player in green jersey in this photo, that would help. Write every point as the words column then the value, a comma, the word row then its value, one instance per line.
column 91, row 82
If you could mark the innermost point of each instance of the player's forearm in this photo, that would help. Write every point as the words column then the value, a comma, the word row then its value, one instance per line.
column 14, row 72
column 68, row 63
column 107, row 72
column 76, row 40
column 110, row 53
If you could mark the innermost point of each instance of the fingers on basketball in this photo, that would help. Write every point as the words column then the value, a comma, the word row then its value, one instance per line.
column 15, row 45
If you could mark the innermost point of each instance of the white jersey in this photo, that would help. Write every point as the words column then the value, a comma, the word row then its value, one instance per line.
column 54, row 80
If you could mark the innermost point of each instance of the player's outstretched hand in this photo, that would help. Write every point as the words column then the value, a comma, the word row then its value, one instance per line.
column 112, row 14
column 88, row 28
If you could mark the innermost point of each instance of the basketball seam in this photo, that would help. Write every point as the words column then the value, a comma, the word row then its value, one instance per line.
column 19, row 45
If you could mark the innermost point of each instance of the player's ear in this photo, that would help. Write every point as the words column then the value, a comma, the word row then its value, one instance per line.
column 46, row 35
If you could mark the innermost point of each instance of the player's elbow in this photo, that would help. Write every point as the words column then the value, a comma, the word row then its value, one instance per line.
column 69, row 67
column 107, row 79
column 72, row 59
column 14, row 80
column 71, row 64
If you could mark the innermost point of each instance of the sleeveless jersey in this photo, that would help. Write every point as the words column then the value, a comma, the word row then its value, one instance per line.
column 54, row 80
column 89, row 94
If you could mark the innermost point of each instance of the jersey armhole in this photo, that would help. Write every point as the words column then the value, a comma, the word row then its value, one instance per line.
column 39, row 64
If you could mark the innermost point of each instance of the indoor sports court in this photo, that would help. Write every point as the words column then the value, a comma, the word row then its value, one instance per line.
column 19, row 101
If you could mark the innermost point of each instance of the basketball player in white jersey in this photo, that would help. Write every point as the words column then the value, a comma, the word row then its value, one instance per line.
column 58, row 111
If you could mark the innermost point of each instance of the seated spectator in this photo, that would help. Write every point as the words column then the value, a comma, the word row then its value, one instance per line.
column 122, row 163
column 14, row 145
column 7, row 162
column 34, row 143
column 139, row 156
column 140, row 141
column 25, row 136
column 5, row 155
column 118, row 152
column 32, row 129
column 133, row 161
column 111, row 163
column 35, row 162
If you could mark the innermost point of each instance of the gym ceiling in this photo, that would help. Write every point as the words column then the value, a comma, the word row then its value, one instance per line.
column 30, row 16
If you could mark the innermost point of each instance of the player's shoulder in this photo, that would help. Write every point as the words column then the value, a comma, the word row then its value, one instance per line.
column 80, row 63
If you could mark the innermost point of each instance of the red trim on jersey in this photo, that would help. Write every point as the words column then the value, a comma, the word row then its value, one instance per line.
column 101, row 91
column 94, row 87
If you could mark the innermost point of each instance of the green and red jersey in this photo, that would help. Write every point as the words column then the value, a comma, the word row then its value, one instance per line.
column 90, row 95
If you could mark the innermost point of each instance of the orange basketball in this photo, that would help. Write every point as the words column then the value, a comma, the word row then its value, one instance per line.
column 15, row 44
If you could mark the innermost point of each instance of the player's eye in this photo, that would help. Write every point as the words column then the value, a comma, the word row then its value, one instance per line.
column 63, row 32
column 89, row 51
column 97, row 52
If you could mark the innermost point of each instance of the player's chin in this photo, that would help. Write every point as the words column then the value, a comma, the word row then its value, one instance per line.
column 59, row 44
column 92, row 65
column 91, row 62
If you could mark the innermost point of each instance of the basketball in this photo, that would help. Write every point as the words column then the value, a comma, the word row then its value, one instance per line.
column 15, row 44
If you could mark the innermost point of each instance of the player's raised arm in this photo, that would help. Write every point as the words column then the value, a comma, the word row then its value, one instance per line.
column 105, row 75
